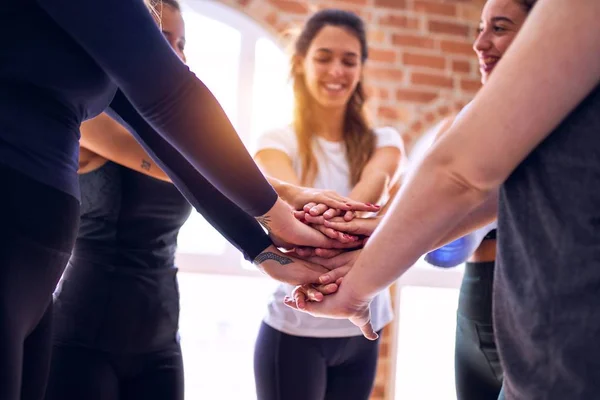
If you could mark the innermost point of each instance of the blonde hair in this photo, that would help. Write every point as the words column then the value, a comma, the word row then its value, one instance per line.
column 359, row 138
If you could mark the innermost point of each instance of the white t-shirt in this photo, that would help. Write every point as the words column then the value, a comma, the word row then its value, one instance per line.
column 334, row 174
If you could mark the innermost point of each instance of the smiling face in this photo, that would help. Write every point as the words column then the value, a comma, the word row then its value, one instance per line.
column 500, row 22
column 332, row 66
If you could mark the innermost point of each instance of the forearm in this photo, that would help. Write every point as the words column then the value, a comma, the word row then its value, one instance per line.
column 107, row 138
column 416, row 221
column 370, row 189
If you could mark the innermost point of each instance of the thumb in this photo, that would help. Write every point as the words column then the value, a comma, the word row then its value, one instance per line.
column 334, row 274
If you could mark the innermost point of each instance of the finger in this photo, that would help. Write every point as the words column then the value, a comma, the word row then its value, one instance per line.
column 305, row 252
column 319, row 209
column 327, row 253
column 346, row 226
column 333, row 212
column 308, row 206
column 349, row 216
column 339, row 281
column 299, row 215
column 352, row 205
column 326, row 289
column 339, row 244
column 368, row 331
column 334, row 275
column 299, row 297
column 313, row 294
column 288, row 301
column 317, row 220
column 330, row 233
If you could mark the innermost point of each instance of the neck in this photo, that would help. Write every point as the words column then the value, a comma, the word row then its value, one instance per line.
column 329, row 123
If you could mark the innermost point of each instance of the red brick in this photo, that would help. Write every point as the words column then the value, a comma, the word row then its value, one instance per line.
column 388, row 113
column 461, row 66
column 358, row 2
column 435, row 8
column 422, row 60
column 431, row 80
column 375, row 36
column 388, row 56
column 443, row 110
column 417, row 127
column 399, row 21
column 272, row 19
column 415, row 96
column 390, row 3
column 449, row 28
column 290, row 6
column 451, row 46
column 470, row 85
column 394, row 74
column 413, row 41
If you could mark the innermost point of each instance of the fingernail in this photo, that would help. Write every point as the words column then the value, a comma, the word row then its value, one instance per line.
column 325, row 279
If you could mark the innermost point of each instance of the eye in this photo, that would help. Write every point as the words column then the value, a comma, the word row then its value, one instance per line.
column 350, row 63
column 322, row 60
column 499, row 29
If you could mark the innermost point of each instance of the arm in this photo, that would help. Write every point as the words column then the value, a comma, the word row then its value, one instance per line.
column 277, row 166
column 130, row 48
column 494, row 135
column 107, row 138
column 376, row 175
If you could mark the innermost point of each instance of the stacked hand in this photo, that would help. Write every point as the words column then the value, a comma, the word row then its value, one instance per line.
column 323, row 236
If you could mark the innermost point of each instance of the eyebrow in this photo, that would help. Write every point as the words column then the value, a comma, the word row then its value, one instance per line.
column 329, row 51
column 501, row 19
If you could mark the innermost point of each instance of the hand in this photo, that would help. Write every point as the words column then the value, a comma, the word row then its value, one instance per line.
column 298, row 196
column 316, row 213
column 286, row 231
column 285, row 268
column 358, row 226
column 337, row 266
column 308, row 292
column 337, row 306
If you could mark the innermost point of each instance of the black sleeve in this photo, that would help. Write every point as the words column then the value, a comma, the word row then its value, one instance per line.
column 121, row 37
column 239, row 228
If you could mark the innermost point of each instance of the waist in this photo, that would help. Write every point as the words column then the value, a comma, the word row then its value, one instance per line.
column 110, row 257
column 39, row 137
column 486, row 252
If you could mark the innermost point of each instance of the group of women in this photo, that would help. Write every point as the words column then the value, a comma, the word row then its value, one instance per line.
column 107, row 138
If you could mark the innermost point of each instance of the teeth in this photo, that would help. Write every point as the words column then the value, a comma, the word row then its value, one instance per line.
column 489, row 60
column 333, row 86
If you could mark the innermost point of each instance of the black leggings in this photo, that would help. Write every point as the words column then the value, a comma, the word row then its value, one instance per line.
column 478, row 372
column 79, row 373
column 38, row 225
column 290, row 367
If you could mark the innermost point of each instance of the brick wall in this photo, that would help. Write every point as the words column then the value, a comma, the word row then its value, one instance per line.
column 421, row 69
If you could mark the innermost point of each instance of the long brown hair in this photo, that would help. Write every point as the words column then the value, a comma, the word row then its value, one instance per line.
column 359, row 138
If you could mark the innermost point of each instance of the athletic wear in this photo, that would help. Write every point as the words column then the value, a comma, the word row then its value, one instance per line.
column 38, row 229
column 458, row 251
column 477, row 369
column 288, row 367
column 546, row 293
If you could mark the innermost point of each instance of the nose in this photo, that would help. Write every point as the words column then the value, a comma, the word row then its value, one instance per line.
column 336, row 69
column 483, row 42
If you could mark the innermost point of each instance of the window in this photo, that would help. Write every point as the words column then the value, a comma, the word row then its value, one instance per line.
column 224, row 298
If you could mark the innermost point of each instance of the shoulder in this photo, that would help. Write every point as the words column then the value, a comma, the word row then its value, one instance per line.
column 283, row 139
column 388, row 136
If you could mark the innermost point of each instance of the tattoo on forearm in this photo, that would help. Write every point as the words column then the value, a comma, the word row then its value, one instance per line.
column 272, row 256
column 146, row 165
column 265, row 221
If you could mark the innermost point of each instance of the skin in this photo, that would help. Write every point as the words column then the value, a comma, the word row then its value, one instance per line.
column 465, row 168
